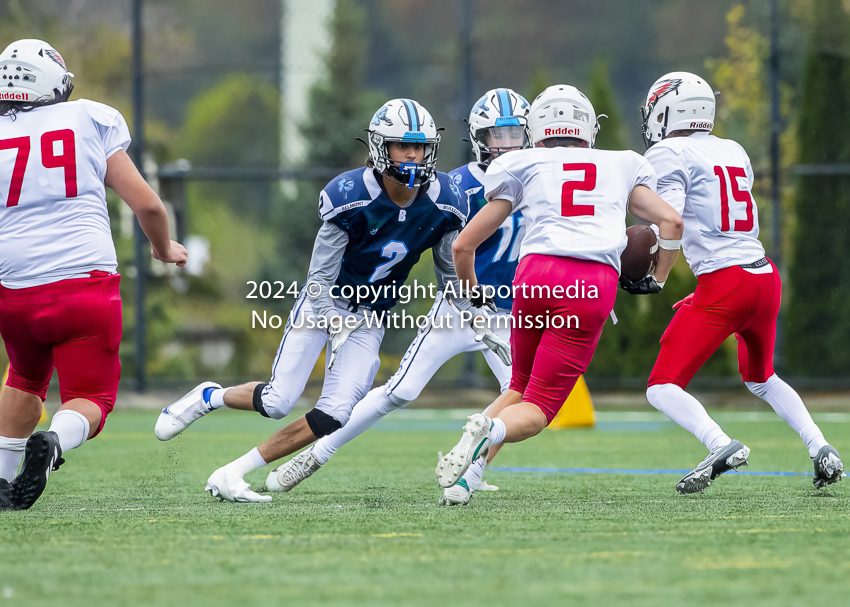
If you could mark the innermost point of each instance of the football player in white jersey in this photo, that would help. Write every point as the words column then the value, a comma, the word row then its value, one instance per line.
column 59, row 299
column 709, row 181
column 498, row 123
column 574, row 200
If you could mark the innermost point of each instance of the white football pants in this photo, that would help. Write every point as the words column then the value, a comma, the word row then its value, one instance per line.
column 346, row 384
column 440, row 340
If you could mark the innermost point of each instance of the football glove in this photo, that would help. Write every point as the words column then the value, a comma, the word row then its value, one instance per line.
column 478, row 297
column 339, row 332
column 484, row 335
column 645, row 286
column 499, row 346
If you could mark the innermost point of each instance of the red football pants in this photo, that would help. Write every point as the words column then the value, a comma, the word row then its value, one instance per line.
column 728, row 301
column 72, row 324
column 554, row 336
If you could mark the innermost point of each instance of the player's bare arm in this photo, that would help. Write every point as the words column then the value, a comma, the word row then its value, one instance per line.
column 124, row 179
column 477, row 231
column 648, row 205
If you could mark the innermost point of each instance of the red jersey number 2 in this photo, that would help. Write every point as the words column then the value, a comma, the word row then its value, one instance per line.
column 568, row 209
column 66, row 160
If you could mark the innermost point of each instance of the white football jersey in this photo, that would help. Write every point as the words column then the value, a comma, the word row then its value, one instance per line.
column 709, row 181
column 574, row 200
column 53, row 219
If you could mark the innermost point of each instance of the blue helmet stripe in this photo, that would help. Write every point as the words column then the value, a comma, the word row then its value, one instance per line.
column 504, row 102
column 412, row 115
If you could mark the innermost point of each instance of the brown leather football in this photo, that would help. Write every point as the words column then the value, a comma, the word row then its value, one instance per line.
column 640, row 254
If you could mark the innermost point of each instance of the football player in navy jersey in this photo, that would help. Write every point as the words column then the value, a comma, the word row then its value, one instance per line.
column 497, row 124
column 378, row 220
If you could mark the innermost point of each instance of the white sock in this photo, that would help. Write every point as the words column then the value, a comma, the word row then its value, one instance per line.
column 497, row 432
column 687, row 411
column 217, row 397
column 375, row 405
column 473, row 474
column 789, row 406
column 72, row 427
column 11, row 454
column 248, row 462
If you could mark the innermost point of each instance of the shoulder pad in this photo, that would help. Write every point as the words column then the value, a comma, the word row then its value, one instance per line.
column 664, row 149
column 99, row 113
column 450, row 199
column 461, row 176
column 348, row 193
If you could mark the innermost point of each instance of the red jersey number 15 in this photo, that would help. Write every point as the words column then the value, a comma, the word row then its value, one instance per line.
column 741, row 225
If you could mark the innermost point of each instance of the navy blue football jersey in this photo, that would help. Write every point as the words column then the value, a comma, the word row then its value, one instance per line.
column 385, row 240
column 497, row 257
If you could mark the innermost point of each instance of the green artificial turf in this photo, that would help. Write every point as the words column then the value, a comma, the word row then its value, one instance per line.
column 126, row 522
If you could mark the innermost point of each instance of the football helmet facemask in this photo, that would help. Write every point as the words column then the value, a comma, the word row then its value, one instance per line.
column 498, row 123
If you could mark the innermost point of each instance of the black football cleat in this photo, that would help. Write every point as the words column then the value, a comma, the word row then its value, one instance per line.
column 42, row 455
column 828, row 467
column 5, row 500
column 722, row 460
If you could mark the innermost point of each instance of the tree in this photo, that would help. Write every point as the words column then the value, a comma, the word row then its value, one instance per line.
column 602, row 97
column 743, row 107
column 339, row 110
column 339, row 107
column 540, row 80
column 819, row 326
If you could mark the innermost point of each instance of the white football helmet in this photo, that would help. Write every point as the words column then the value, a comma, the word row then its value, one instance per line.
column 32, row 70
column 403, row 120
column 677, row 101
column 563, row 111
column 498, row 123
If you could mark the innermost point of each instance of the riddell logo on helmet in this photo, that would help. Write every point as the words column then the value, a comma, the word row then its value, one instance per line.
column 14, row 96
column 561, row 130
column 701, row 125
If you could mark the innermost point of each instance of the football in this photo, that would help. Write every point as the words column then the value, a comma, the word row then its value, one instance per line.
column 640, row 254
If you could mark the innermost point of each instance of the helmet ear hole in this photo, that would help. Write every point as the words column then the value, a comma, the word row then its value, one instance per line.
column 660, row 118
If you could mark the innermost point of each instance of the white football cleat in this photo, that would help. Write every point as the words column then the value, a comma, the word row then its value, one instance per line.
column 456, row 495
column 485, row 486
column 178, row 416
column 227, row 484
column 287, row 475
column 474, row 443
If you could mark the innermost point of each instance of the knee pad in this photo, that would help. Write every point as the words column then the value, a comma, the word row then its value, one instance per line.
column 258, row 400
column 321, row 424
column 274, row 406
